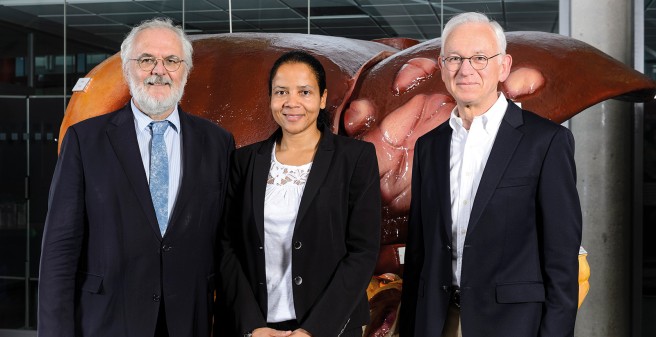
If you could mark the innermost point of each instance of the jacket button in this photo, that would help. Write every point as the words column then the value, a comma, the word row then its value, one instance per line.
column 260, row 247
column 298, row 280
column 448, row 247
column 166, row 248
column 155, row 297
column 298, row 245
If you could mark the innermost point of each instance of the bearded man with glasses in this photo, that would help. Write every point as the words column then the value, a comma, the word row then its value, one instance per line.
column 495, row 219
column 129, row 241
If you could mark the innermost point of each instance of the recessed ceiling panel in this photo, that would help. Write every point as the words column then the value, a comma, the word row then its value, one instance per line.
column 47, row 10
column 259, row 14
column 532, row 7
column 360, row 31
column 136, row 18
column 105, row 28
column 366, row 3
column 206, row 16
column 250, row 4
column 87, row 19
column 161, row 5
column 273, row 24
column 112, row 7
column 346, row 23
column 408, row 20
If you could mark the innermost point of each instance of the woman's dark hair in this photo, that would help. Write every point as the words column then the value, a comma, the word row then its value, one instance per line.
column 299, row 56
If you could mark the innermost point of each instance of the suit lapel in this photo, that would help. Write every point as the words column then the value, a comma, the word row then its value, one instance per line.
column 508, row 137
column 123, row 138
column 192, row 143
column 318, row 172
column 261, row 169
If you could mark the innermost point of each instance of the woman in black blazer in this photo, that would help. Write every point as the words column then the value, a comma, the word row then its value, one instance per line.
column 301, row 230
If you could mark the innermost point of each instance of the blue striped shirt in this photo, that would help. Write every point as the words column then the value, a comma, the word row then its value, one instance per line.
column 173, row 140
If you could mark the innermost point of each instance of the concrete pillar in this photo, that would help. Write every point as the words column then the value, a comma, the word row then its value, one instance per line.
column 604, row 136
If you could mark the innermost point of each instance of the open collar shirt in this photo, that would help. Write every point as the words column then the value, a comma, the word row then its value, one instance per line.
column 469, row 152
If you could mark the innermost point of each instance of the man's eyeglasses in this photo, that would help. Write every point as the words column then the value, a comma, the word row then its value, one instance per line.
column 148, row 63
column 478, row 62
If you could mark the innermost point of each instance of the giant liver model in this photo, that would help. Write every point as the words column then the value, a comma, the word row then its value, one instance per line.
column 387, row 92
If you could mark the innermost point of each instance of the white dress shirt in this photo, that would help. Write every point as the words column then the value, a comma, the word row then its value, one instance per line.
column 282, row 199
column 469, row 152
column 173, row 140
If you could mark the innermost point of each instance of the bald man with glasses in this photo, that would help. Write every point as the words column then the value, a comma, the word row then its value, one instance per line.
column 495, row 219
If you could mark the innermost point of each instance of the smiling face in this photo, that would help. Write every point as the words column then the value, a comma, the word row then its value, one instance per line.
column 156, row 92
column 471, row 88
column 296, row 98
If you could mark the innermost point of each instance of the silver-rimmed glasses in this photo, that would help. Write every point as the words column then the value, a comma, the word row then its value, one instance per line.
column 148, row 63
column 478, row 62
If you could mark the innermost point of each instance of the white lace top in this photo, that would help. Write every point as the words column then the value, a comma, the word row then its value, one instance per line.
column 284, row 190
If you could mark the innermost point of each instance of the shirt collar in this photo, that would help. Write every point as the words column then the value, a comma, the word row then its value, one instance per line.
column 491, row 119
column 143, row 121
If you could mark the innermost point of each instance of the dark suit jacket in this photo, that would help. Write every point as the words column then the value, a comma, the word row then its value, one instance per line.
column 104, row 264
column 336, row 237
column 519, row 268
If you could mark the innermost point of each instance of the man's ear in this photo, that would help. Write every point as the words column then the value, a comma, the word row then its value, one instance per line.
column 506, row 64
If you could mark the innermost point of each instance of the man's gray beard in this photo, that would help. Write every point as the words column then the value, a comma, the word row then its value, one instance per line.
column 150, row 105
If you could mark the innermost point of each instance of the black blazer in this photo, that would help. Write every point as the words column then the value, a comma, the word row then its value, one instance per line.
column 104, row 264
column 519, row 268
column 336, row 237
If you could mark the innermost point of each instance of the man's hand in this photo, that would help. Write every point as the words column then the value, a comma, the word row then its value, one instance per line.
column 268, row 332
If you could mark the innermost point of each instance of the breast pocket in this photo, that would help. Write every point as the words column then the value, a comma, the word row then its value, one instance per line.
column 516, row 182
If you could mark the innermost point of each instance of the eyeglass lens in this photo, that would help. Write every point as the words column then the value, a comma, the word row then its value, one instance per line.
column 149, row 63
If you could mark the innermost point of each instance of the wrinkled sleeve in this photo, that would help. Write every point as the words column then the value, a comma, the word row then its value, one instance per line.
column 559, row 220
column 62, row 242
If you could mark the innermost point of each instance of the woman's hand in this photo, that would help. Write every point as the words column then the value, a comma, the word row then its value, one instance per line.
column 268, row 332
column 300, row 333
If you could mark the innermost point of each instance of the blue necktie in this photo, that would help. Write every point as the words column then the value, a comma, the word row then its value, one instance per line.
column 159, row 174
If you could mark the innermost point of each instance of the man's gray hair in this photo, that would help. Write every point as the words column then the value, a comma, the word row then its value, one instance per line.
column 472, row 17
column 128, row 42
